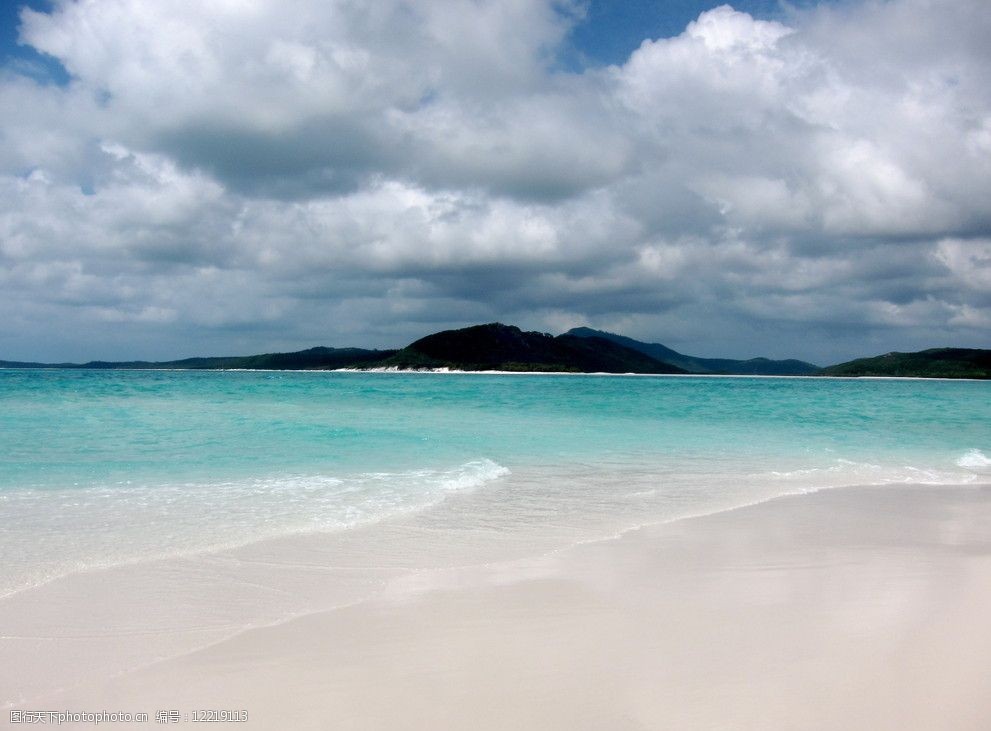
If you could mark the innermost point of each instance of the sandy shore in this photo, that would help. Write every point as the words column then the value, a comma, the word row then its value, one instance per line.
column 862, row 608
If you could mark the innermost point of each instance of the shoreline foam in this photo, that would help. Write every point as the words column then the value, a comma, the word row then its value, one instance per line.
column 973, row 462
column 394, row 369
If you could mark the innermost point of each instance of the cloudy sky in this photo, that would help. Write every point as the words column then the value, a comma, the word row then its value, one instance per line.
column 237, row 176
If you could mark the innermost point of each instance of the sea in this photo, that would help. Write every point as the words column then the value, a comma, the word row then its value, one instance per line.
column 107, row 468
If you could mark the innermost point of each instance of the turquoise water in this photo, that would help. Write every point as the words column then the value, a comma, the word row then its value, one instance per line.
column 99, row 467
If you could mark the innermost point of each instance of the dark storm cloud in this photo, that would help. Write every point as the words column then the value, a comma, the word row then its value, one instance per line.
column 314, row 159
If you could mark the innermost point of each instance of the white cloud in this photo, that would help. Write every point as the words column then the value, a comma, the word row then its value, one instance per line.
column 969, row 262
column 371, row 170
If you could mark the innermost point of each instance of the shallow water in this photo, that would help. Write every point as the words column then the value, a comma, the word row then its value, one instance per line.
column 99, row 468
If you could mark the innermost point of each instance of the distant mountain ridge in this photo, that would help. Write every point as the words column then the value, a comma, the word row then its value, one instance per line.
column 319, row 358
column 692, row 364
column 499, row 347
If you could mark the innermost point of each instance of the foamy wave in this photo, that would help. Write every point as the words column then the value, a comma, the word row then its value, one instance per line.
column 844, row 473
column 975, row 459
column 473, row 474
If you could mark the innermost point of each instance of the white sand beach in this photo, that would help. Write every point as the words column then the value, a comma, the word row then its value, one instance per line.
column 253, row 252
column 853, row 608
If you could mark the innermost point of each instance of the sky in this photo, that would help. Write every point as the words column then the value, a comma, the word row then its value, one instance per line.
column 802, row 179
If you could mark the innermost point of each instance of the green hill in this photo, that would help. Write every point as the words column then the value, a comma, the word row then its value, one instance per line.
column 934, row 363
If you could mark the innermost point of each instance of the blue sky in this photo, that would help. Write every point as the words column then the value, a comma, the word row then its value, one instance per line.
column 611, row 30
column 21, row 57
column 801, row 180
